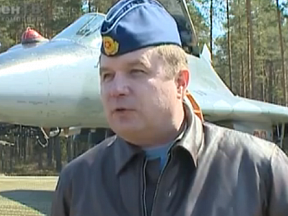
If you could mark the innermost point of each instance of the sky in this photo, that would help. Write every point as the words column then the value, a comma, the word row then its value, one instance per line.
column 217, row 28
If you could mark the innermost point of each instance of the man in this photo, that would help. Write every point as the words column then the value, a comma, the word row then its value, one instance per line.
column 163, row 161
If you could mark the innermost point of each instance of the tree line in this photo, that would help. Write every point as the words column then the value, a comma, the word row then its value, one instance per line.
column 248, row 54
column 248, row 40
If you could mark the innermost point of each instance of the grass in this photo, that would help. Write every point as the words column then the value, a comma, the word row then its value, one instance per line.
column 32, row 169
column 27, row 196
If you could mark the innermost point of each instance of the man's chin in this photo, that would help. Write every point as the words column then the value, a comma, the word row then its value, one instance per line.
column 127, row 130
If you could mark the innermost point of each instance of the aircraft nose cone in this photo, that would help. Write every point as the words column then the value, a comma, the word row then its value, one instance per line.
column 23, row 85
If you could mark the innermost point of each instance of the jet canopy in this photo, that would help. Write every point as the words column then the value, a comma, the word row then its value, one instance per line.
column 85, row 30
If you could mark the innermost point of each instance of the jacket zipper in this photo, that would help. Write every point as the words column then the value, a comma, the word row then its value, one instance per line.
column 158, row 183
column 144, row 188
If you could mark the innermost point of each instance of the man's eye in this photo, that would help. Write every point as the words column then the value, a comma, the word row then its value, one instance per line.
column 106, row 76
column 137, row 71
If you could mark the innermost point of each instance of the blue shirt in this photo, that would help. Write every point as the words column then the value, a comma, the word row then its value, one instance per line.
column 160, row 152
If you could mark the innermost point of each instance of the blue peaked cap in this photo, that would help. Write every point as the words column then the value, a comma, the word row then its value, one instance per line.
column 134, row 24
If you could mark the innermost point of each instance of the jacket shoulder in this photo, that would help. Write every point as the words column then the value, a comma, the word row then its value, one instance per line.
column 229, row 140
column 258, row 163
column 88, row 159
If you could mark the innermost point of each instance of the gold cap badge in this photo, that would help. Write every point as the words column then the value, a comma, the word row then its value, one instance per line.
column 110, row 46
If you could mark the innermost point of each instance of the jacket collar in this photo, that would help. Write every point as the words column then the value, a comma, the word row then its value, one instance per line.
column 193, row 136
column 190, row 139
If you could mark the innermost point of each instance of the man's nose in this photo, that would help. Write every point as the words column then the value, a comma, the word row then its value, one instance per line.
column 120, row 85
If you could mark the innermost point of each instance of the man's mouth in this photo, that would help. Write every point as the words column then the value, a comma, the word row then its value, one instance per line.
column 120, row 110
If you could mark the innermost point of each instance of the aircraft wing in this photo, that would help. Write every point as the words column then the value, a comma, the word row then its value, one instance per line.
column 217, row 102
column 216, row 107
column 275, row 112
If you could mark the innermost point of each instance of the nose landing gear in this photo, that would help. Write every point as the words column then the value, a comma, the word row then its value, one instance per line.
column 43, row 136
column 281, row 135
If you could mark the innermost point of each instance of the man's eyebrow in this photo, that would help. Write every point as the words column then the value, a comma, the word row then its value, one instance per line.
column 139, row 62
column 103, row 69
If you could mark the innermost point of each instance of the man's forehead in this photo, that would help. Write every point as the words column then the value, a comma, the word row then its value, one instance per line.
column 142, row 56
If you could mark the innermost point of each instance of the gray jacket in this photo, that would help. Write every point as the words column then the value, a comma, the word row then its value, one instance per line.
column 212, row 171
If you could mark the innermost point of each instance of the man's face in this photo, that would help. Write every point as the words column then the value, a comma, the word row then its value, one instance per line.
column 137, row 95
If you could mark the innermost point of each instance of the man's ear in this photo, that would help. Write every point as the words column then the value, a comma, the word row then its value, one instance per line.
column 182, row 82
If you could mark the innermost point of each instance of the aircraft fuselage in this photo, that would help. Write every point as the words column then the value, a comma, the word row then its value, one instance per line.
column 57, row 85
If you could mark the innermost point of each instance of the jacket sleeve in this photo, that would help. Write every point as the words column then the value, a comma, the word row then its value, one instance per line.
column 61, row 199
column 278, row 200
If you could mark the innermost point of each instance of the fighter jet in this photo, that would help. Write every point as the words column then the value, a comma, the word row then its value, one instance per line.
column 56, row 84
